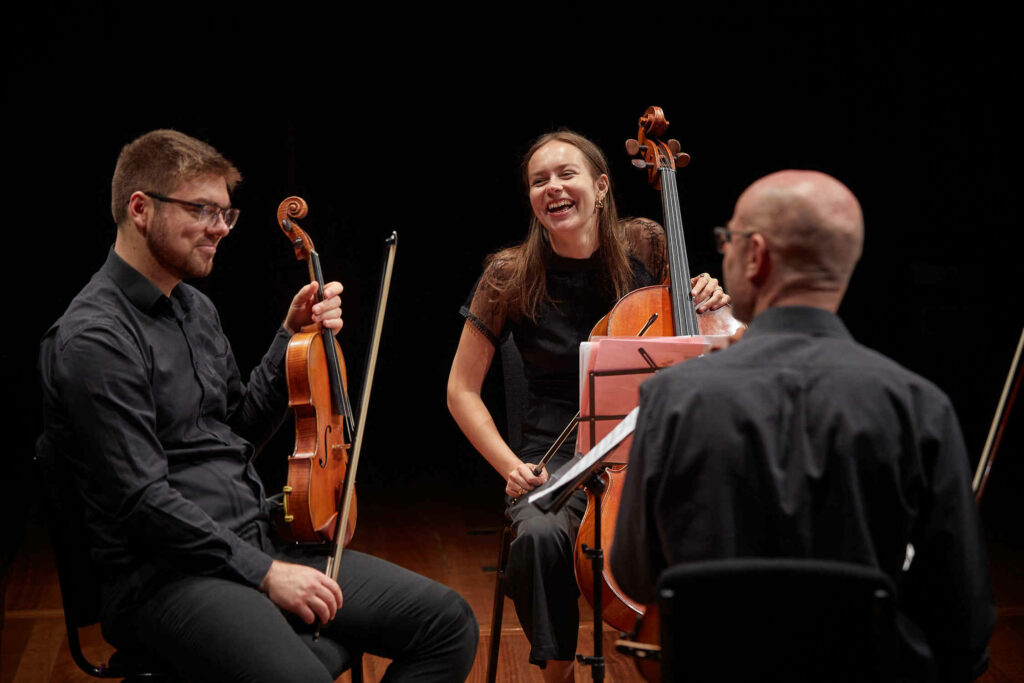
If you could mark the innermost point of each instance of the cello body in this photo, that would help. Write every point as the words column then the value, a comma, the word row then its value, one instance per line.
column 618, row 609
column 633, row 310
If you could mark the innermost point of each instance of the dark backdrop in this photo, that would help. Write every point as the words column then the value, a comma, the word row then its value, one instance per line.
column 911, row 115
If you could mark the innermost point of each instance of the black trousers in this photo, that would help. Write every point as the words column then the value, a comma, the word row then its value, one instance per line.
column 540, row 577
column 211, row 629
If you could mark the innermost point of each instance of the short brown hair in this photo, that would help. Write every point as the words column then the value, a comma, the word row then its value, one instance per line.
column 159, row 161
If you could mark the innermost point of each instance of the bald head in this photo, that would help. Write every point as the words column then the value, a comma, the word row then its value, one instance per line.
column 807, row 230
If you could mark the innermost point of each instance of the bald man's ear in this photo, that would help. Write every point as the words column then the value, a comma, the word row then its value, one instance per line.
column 757, row 262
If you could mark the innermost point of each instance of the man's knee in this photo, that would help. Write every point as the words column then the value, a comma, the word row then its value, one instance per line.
column 459, row 620
column 453, row 634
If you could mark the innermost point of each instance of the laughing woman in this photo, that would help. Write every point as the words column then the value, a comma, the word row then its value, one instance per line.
column 576, row 262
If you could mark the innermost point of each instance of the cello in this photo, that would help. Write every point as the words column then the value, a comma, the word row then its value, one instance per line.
column 659, row 310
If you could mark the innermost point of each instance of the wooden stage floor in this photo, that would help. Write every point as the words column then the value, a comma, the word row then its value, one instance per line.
column 448, row 535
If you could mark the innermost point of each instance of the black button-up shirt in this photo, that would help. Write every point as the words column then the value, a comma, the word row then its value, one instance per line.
column 143, row 400
column 799, row 442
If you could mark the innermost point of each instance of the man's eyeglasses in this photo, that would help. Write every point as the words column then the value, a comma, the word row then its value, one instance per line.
column 724, row 235
column 207, row 214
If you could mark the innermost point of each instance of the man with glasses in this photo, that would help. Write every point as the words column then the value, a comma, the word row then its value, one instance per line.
column 145, row 405
column 798, row 442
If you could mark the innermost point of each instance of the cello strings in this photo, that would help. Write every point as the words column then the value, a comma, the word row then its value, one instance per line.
column 679, row 276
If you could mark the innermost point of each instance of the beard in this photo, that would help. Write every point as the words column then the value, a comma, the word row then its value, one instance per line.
column 175, row 254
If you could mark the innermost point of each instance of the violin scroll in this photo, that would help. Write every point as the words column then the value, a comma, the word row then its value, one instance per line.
column 288, row 210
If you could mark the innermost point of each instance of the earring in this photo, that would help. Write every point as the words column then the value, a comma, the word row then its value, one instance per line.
column 599, row 204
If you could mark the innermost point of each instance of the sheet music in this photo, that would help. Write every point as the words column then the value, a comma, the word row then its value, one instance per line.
column 573, row 472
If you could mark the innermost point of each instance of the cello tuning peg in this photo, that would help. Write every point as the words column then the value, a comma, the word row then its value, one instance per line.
column 640, row 163
column 681, row 158
column 633, row 147
column 286, row 224
column 297, row 243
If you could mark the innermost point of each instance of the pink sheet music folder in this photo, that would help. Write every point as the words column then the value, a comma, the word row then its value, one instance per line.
column 612, row 370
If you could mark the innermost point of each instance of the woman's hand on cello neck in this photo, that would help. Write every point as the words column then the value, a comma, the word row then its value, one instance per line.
column 708, row 295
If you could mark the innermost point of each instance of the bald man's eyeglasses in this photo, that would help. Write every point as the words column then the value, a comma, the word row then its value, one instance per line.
column 724, row 235
column 206, row 214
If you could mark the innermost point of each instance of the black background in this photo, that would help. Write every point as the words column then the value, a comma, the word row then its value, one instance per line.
column 421, row 129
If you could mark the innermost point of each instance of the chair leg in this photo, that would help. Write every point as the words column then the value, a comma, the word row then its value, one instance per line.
column 499, row 602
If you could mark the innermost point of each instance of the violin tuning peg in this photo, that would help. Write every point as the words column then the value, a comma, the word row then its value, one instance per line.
column 640, row 163
column 674, row 145
column 632, row 147
column 682, row 159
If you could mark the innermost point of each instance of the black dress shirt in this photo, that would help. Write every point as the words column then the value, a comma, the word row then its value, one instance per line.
column 799, row 442
column 143, row 399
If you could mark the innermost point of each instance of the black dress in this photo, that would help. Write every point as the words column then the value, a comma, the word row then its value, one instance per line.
column 540, row 564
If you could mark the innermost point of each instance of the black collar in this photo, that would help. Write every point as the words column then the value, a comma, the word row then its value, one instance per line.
column 800, row 319
column 143, row 294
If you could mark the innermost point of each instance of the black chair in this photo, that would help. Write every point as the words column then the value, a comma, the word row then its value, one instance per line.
column 78, row 575
column 515, row 407
column 79, row 582
column 777, row 620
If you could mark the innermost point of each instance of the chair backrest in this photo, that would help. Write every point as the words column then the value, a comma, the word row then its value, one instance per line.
column 77, row 573
column 514, row 378
column 777, row 620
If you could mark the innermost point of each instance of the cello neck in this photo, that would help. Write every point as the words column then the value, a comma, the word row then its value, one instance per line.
column 685, row 317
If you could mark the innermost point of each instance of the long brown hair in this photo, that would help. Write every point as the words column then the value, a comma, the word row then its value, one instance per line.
column 517, row 274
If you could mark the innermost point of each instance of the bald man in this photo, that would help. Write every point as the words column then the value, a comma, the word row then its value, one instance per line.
column 798, row 442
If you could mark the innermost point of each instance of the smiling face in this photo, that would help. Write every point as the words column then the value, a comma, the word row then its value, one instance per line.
column 564, row 191
column 177, row 242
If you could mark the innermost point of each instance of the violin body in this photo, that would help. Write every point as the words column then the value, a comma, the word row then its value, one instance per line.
column 318, row 395
column 317, row 468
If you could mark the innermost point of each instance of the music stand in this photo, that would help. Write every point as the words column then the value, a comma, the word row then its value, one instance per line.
column 582, row 470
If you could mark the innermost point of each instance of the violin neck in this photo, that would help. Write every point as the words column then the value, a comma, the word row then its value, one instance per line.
column 339, row 398
column 685, row 317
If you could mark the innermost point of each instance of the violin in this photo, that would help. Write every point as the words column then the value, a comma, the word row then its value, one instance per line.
column 320, row 497
column 659, row 310
column 318, row 396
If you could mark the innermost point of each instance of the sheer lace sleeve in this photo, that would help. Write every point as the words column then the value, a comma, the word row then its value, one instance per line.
column 485, row 307
column 645, row 241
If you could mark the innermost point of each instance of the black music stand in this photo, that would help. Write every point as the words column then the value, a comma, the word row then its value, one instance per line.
column 584, row 470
